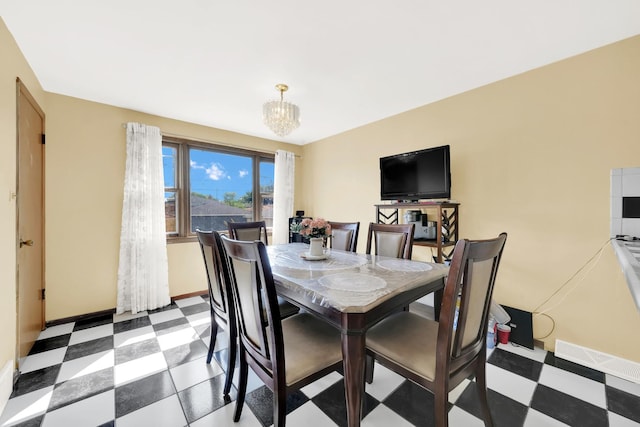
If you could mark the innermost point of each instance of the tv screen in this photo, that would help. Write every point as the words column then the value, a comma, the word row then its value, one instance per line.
column 416, row 175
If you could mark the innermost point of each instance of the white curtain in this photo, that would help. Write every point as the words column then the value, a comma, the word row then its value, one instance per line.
column 143, row 278
column 283, row 183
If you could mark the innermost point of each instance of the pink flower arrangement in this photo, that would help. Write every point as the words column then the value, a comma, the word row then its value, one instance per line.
column 315, row 228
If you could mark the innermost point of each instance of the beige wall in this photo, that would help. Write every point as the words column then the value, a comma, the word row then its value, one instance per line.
column 13, row 65
column 531, row 156
column 85, row 178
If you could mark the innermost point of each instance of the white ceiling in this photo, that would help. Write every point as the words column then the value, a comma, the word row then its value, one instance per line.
column 347, row 62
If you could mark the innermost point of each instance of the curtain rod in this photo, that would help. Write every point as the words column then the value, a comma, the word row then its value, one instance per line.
column 174, row 135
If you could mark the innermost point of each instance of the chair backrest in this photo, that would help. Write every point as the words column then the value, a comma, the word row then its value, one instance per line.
column 248, row 231
column 469, row 285
column 256, row 304
column 393, row 240
column 344, row 235
column 218, row 280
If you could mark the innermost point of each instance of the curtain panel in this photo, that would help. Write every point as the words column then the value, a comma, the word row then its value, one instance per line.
column 143, row 278
column 283, row 186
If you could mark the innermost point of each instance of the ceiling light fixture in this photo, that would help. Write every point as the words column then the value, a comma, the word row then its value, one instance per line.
column 281, row 116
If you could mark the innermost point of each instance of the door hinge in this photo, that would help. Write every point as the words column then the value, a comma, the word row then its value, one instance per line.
column 43, row 291
column 43, row 139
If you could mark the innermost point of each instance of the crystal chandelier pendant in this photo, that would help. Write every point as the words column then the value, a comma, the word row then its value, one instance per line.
column 281, row 116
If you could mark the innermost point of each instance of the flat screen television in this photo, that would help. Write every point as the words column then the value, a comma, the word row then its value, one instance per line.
column 416, row 175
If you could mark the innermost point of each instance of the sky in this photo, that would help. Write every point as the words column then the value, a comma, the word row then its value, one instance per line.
column 215, row 174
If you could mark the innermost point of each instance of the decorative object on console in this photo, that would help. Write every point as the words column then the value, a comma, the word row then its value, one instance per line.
column 281, row 116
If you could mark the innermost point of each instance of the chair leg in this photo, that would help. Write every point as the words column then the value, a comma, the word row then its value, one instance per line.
column 231, row 363
column 441, row 402
column 481, row 387
column 368, row 369
column 242, row 386
column 279, row 407
column 212, row 339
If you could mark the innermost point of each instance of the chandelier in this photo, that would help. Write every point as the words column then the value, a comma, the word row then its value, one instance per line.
column 281, row 116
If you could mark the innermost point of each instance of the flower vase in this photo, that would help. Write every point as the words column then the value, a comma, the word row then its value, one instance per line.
column 316, row 246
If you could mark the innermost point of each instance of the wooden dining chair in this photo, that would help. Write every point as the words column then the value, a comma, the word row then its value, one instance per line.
column 393, row 240
column 344, row 235
column 248, row 231
column 286, row 354
column 438, row 355
column 257, row 230
column 220, row 298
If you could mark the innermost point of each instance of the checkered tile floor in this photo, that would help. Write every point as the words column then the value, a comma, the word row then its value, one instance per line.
column 150, row 370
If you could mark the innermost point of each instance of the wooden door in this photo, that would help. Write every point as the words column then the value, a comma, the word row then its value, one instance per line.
column 30, row 219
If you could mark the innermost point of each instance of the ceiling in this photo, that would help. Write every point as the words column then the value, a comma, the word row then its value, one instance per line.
column 347, row 63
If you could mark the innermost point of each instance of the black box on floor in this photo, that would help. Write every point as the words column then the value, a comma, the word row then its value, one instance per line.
column 521, row 326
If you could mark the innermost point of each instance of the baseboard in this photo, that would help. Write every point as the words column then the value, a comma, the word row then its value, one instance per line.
column 6, row 383
column 602, row 362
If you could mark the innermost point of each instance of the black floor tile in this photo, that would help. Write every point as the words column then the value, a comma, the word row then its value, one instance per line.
column 568, row 409
column 131, row 324
column 50, row 343
column 195, row 308
column 89, row 347
column 143, row 392
column 36, row 380
column 204, row 398
column 31, row 422
column 517, row 364
column 185, row 353
column 94, row 321
column 505, row 411
column 260, row 401
column 170, row 326
column 85, row 386
column 623, row 403
column 136, row 350
column 332, row 402
column 574, row 368
column 413, row 403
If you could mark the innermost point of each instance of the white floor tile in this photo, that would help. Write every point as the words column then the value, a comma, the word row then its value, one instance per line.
column 309, row 415
column 194, row 372
column 165, row 316
column 574, row 385
column 253, row 381
column 89, row 334
column 127, row 315
column 133, row 336
column 538, row 419
column 92, row 411
column 616, row 420
column 56, row 331
column 37, row 361
column 26, row 406
column 174, row 339
column 185, row 302
column 456, row 392
column 459, row 417
column 385, row 381
column 382, row 416
column 163, row 413
column 224, row 417
column 536, row 354
column 321, row 385
column 86, row 365
column 199, row 319
column 623, row 385
column 509, row 384
column 138, row 368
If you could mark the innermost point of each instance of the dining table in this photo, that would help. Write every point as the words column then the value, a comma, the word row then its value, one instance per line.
column 353, row 292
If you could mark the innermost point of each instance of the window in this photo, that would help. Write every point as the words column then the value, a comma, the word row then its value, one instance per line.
column 207, row 186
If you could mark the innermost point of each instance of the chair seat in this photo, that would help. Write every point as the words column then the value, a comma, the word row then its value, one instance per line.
column 311, row 345
column 409, row 340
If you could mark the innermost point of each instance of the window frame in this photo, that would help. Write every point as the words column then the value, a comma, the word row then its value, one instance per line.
column 183, row 185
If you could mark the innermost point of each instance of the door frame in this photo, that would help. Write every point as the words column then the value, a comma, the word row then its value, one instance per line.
column 23, row 95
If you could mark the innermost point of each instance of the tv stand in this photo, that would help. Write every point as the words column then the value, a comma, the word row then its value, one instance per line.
column 446, row 218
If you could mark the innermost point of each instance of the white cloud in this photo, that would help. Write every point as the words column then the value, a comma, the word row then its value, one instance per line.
column 215, row 172
column 194, row 165
column 243, row 173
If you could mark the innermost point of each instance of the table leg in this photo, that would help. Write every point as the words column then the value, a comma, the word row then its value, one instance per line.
column 353, row 353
